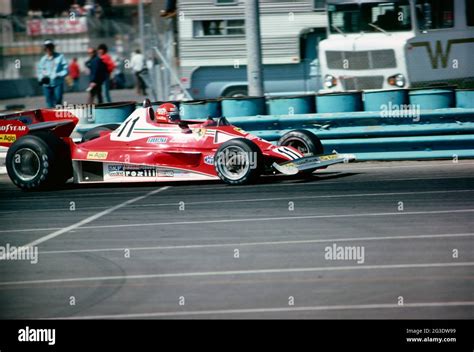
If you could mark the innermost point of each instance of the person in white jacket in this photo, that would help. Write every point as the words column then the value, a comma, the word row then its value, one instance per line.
column 137, row 63
column 51, row 72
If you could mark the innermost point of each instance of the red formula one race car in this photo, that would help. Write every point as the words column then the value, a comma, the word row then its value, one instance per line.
column 149, row 146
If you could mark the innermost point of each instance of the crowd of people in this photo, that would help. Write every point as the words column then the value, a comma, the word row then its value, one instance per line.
column 53, row 72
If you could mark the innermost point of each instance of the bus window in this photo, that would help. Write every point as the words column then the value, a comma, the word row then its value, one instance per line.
column 470, row 13
column 434, row 14
column 370, row 17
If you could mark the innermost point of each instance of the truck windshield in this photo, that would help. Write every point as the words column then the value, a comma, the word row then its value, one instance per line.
column 370, row 17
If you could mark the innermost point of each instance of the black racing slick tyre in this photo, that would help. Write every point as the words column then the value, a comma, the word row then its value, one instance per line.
column 39, row 160
column 96, row 131
column 238, row 161
column 306, row 142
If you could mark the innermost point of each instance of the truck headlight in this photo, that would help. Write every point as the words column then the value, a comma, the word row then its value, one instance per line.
column 330, row 81
column 397, row 80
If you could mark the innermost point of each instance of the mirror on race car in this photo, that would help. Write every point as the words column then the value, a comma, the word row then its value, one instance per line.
column 146, row 103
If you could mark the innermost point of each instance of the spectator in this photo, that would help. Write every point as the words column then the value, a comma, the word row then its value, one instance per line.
column 51, row 71
column 97, row 76
column 75, row 74
column 119, row 78
column 110, row 64
column 138, row 66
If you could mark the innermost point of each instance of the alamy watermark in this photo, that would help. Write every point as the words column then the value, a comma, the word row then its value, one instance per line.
column 401, row 111
column 349, row 253
column 9, row 252
column 84, row 112
column 230, row 158
column 37, row 335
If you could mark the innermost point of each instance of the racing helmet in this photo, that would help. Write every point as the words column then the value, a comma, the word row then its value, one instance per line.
column 167, row 112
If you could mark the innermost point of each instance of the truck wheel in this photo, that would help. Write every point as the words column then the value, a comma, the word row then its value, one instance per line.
column 304, row 141
column 96, row 131
column 38, row 161
column 238, row 161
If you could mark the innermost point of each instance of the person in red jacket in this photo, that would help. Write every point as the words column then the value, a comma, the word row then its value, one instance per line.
column 75, row 74
column 110, row 64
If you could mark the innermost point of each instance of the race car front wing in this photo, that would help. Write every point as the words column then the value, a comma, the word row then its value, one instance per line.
column 312, row 163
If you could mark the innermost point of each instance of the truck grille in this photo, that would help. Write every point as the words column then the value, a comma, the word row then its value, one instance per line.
column 361, row 60
column 359, row 83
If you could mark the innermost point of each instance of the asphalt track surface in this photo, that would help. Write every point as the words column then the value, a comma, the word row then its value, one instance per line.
column 209, row 250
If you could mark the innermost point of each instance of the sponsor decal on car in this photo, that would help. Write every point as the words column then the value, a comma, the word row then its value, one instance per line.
column 328, row 157
column 238, row 129
column 97, row 155
column 7, row 138
column 199, row 133
column 165, row 173
column 115, row 170
column 11, row 127
column 156, row 140
column 307, row 160
column 111, row 168
column 209, row 159
column 145, row 172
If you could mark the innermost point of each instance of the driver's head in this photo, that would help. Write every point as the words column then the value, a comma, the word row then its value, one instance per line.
column 167, row 113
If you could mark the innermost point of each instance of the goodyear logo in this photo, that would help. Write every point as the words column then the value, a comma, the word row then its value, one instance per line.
column 97, row 155
column 13, row 128
column 7, row 138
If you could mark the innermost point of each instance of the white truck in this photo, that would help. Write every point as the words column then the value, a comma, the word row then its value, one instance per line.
column 397, row 44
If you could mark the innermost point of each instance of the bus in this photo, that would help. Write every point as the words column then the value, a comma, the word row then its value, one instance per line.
column 397, row 44
column 212, row 49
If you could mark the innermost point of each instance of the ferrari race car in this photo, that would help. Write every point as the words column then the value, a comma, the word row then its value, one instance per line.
column 149, row 146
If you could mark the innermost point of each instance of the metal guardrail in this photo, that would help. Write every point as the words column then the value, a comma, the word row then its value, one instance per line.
column 444, row 133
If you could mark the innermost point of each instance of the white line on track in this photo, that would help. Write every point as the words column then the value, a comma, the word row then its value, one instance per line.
column 250, row 200
column 267, row 243
column 238, row 272
column 85, row 221
column 281, row 218
column 273, row 310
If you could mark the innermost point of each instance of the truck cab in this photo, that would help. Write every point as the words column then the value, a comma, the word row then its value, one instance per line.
column 397, row 44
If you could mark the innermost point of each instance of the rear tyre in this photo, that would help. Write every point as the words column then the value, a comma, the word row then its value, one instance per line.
column 96, row 131
column 304, row 141
column 238, row 161
column 39, row 160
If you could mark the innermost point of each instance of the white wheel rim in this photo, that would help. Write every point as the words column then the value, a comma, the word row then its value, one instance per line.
column 233, row 162
column 26, row 164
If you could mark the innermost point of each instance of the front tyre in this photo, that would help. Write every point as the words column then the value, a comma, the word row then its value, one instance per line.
column 305, row 142
column 37, row 161
column 238, row 161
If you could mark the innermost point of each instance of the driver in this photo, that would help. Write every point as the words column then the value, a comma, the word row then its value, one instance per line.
column 167, row 113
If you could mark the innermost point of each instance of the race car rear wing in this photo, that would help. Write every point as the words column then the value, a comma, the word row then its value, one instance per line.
column 16, row 125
